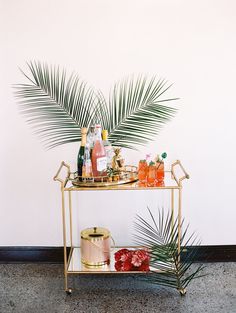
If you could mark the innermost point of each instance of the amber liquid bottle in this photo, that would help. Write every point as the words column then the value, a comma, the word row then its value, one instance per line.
column 80, row 158
column 99, row 159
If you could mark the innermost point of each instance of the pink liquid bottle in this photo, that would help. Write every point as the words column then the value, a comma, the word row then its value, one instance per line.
column 99, row 159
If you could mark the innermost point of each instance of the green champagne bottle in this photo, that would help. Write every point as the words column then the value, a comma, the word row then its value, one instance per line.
column 80, row 158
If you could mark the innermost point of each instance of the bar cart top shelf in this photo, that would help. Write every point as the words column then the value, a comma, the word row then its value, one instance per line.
column 171, row 181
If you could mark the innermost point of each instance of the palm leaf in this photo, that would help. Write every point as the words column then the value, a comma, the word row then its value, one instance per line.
column 161, row 239
column 136, row 110
column 58, row 107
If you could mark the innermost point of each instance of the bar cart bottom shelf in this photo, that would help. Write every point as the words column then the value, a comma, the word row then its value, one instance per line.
column 75, row 266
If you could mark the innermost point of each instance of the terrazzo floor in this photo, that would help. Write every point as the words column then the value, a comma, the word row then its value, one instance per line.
column 33, row 288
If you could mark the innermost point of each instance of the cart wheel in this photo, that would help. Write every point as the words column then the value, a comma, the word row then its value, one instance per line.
column 69, row 291
column 182, row 292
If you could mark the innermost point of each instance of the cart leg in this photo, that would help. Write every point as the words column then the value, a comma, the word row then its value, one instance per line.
column 182, row 291
column 172, row 211
column 68, row 290
column 179, row 222
column 70, row 210
column 66, row 282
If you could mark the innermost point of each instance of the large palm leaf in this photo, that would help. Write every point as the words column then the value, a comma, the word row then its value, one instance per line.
column 136, row 112
column 58, row 107
column 161, row 239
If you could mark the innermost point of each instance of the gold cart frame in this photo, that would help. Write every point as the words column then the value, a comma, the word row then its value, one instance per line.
column 67, row 186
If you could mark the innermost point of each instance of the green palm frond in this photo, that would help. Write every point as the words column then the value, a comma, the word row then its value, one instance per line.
column 161, row 239
column 58, row 107
column 136, row 111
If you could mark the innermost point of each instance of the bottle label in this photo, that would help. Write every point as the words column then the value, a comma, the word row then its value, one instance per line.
column 101, row 164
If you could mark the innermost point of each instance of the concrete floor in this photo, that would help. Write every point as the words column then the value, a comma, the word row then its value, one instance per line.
column 32, row 288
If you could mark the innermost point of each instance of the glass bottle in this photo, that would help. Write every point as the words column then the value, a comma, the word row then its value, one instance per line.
column 87, row 164
column 80, row 158
column 108, row 147
column 99, row 159
column 91, row 138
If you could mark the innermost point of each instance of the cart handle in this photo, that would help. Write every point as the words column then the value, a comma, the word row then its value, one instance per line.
column 57, row 178
column 186, row 175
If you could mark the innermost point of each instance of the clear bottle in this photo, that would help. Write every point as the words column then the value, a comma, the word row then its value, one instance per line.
column 99, row 159
column 87, row 164
column 91, row 138
column 108, row 147
column 80, row 158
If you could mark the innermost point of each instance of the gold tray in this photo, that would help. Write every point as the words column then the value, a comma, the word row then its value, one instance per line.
column 127, row 175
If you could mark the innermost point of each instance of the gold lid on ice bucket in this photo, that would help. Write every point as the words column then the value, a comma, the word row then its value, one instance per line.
column 95, row 234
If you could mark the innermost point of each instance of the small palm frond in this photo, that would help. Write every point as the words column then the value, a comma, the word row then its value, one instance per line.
column 161, row 239
column 58, row 107
column 136, row 111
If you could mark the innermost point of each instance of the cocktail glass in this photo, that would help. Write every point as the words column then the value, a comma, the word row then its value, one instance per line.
column 142, row 171
column 160, row 174
column 151, row 177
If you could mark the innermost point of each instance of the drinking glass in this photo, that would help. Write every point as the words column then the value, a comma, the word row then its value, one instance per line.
column 151, row 177
column 142, row 171
column 160, row 172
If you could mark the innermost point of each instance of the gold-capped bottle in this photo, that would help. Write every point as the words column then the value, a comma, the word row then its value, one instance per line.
column 108, row 147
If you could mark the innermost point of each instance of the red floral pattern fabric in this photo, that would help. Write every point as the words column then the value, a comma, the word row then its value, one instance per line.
column 132, row 260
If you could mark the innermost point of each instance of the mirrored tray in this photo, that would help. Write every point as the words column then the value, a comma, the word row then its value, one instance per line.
column 128, row 174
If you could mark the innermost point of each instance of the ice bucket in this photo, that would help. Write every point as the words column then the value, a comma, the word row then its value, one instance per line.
column 95, row 246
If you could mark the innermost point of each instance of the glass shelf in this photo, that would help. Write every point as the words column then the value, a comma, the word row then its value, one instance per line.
column 75, row 266
column 169, row 183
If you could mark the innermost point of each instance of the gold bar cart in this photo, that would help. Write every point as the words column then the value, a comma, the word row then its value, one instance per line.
column 72, row 259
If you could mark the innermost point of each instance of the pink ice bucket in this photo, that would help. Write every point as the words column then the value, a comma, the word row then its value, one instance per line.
column 95, row 246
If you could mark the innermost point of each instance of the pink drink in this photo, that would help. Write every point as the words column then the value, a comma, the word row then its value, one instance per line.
column 151, row 177
column 160, row 171
column 99, row 159
column 142, row 171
